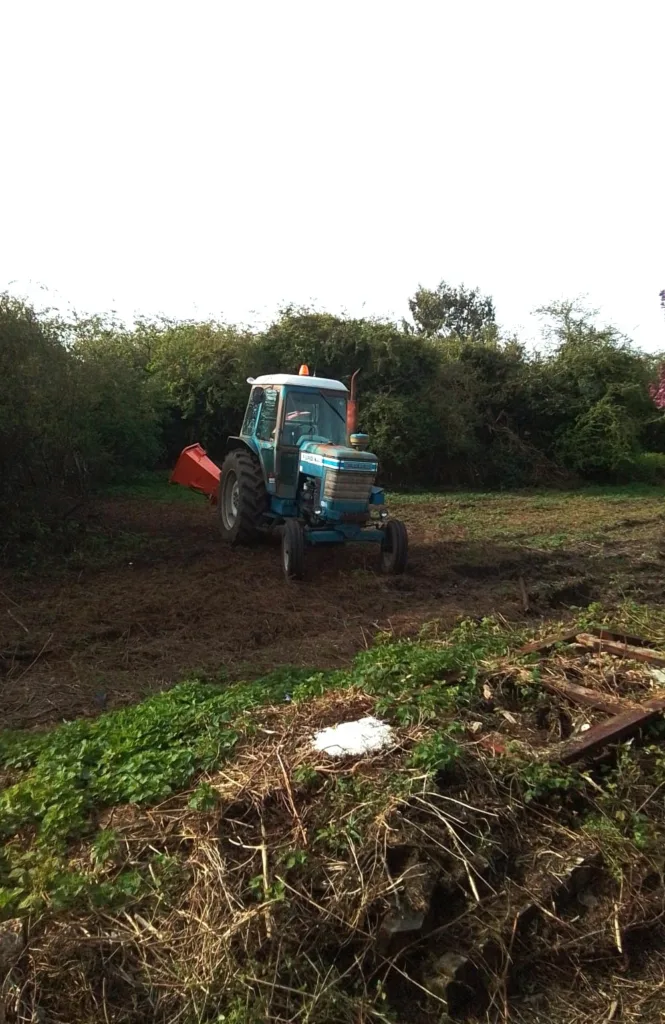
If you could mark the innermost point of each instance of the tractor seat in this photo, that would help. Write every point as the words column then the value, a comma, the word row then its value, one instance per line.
column 292, row 432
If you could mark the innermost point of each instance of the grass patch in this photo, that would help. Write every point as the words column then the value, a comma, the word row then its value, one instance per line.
column 542, row 519
column 153, row 486
column 616, row 492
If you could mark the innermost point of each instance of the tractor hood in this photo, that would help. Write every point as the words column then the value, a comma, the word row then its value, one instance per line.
column 335, row 456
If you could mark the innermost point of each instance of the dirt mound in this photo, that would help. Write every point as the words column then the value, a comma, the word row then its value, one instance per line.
column 465, row 872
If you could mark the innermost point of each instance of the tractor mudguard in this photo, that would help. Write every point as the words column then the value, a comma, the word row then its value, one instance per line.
column 232, row 443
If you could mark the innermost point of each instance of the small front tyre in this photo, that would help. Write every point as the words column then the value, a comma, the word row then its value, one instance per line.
column 394, row 548
column 293, row 550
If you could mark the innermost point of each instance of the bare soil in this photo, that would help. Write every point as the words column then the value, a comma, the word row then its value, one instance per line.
column 168, row 599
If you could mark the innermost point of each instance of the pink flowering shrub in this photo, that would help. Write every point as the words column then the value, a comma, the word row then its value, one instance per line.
column 657, row 390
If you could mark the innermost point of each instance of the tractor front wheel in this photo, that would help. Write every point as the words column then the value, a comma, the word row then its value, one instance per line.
column 293, row 550
column 394, row 547
column 242, row 497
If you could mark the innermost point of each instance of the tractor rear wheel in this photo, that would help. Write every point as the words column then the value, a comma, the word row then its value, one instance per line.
column 394, row 547
column 242, row 497
column 293, row 550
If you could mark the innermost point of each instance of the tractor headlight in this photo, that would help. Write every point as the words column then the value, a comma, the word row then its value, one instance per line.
column 383, row 513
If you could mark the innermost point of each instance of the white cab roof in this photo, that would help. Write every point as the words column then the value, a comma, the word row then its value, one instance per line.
column 295, row 380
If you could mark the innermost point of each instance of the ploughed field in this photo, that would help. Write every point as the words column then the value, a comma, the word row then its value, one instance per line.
column 148, row 593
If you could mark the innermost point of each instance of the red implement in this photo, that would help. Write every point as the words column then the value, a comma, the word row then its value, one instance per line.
column 195, row 470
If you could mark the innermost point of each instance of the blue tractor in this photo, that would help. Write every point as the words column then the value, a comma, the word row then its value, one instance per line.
column 298, row 463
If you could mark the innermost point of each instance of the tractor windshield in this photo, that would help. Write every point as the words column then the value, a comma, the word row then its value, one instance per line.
column 315, row 416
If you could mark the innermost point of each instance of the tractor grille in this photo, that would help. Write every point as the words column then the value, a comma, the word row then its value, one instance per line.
column 347, row 486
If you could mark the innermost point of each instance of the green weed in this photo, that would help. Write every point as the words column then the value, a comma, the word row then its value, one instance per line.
column 104, row 847
column 540, row 779
column 409, row 677
column 204, row 798
column 437, row 752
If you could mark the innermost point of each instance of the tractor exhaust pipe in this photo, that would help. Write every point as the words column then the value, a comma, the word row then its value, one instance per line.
column 352, row 409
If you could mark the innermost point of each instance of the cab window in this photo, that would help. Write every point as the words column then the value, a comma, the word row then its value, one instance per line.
column 312, row 415
column 251, row 416
column 267, row 421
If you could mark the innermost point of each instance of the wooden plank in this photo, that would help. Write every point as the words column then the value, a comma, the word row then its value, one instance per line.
column 615, row 729
column 546, row 644
column 585, row 695
column 622, row 638
column 621, row 650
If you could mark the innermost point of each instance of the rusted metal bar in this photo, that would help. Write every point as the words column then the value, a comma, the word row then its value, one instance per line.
column 585, row 695
column 615, row 729
column 621, row 650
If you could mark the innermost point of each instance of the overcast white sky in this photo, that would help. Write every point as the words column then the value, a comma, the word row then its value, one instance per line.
column 224, row 158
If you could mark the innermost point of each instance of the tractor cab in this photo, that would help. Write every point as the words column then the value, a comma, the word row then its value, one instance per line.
column 285, row 413
column 287, row 407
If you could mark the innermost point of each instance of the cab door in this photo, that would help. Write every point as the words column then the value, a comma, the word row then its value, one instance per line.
column 265, row 431
column 287, row 457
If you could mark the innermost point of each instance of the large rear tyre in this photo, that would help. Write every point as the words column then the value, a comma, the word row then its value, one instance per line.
column 293, row 550
column 242, row 499
column 394, row 548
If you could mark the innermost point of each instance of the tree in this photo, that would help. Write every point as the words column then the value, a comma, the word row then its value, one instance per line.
column 447, row 310
column 602, row 443
column 585, row 363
